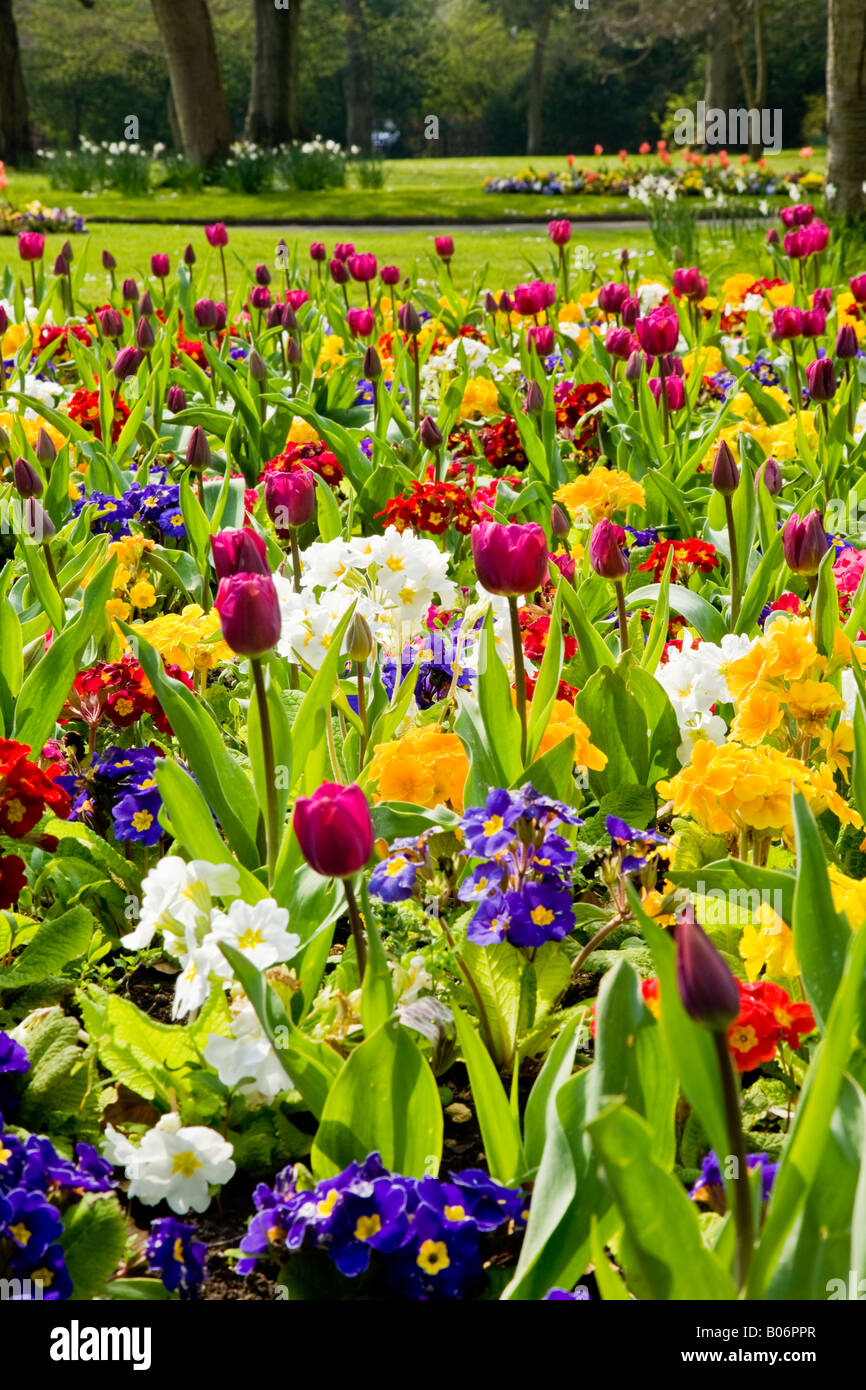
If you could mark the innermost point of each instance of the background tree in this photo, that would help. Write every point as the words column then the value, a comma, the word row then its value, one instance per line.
column 356, row 77
column 272, row 116
column 534, row 127
column 196, row 83
column 15, row 138
column 846, row 104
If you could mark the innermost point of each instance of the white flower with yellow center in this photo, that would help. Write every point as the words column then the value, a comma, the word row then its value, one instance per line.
column 174, row 1163
column 176, row 896
column 258, row 930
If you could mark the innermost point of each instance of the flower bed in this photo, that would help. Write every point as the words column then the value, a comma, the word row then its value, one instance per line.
column 431, row 778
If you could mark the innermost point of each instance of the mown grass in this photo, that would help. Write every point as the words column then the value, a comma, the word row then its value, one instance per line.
column 509, row 254
column 422, row 190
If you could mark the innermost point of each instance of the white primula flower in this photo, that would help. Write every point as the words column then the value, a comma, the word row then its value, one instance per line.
column 177, row 895
column 174, row 1163
column 258, row 930
column 200, row 962
column 246, row 1062
column 694, row 682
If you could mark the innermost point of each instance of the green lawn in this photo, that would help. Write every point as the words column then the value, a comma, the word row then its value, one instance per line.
column 509, row 253
column 421, row 190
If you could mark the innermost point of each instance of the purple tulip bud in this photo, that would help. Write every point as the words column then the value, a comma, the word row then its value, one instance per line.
column 127, row 362
column 372, row 368
column 27, row 481
column 409, row 319
column 111, row 323
column 560, row 522
column 771, row 474
column 318, row 251
column 36, row 522
column 60, row 266
column 607, row 553
column 339, row 273
column 256, row 364
column 821, row 379
column 294, row 355
column 274, row 317
column 189, row 254
column 263, row 275
column 145, row 305
column 290, row 498
column 805, row 543
column 430, row 434
column 533, row 401
column 249, row 612
column 108, row 261
column 198, row 450
column 45, row 450
column 221, row 316
column 4, row 321
column 846, row 342
column 490, row 305
column 634, row 366
column 706, row 986
column 176, row 399
column 160, row 265
column 772, row 237
column 129, row 290
column 726, row 474
column 144, row 334
column 205, row 313
column 288, row 318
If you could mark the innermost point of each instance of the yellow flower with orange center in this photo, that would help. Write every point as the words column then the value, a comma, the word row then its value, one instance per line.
column 849, row 896
column 426, row 767
column 183, row 638
column 768, row 945
column 480, row 398
column 599, row 494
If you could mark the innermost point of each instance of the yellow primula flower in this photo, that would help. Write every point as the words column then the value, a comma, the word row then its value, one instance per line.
column 480, row 398
column 183, row 638
column 426, row 766
column 768, row 945
column 599, row 494
column 849, row 896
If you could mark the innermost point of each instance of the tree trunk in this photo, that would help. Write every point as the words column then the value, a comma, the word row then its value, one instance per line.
column 846, row 105
column 720, row 84
column 534, row 126
column 196, row 85
column 356, row 81
column 15, row 139
column 272, row 115
column 754, row 88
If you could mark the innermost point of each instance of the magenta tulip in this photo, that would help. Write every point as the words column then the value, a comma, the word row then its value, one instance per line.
column 334, row 829
column 607, row 553
column 509, row 560
column 249, row 613
column 805, row 543
column 290, row 499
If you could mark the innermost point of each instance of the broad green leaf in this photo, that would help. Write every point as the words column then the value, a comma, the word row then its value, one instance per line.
column 499, row 1130
column 385, row 1100
column 661, row 1224
column 821, row 936
column 58, row 940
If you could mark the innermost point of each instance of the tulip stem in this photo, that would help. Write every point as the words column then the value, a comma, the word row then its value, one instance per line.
column 735, row 561
column 519, row 673
column 664, row 396
column 416, row 383
column 271, row 827
column 362, row 712
column 357, row 927
column 744, row 1219
column 624, row 644
column 225, row 276
column 796, row 366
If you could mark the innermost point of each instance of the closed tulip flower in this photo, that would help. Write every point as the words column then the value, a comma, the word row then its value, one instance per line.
column 159, row 266
column 176, row 399
column 361, row 322
column 334, row 829
column 189, row 254
column 787, row 322
column 343, row 250
column 127, row 362
column 249, row 613
column 444, row 247
column 205, row 314
column 25, row 478
column 805, row 543
column 430, row 434
column 290, row 499
column 690, row 284
column 31, row 246
column 542, row 338
column 217, row 234
column 607, row 554
column 198, row 450
column 390, row 275
column 814, row 323
column 857, row 285
column 846, row 342
column 318, row 251
column 339, row 273
column 509, row 560
column 675, row 391
column 726, row 474
column 612, row 296
column 821, row 379
column 129, row 290
column 659, row 332
column 239, row 551
column 111, row 323
column 363, row 267
column 771, row 476
column 630, row 311
column 706, row 986
column 559, row 231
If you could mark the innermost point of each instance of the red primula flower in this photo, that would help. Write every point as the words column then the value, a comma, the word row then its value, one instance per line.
column 501, row 444
column 317, row 457
column 753, row 1036
column 431, row 507
column 83, row 408
column 26, row 791
column 794, row 1021
column 689, row 556
column 12, row 880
